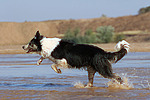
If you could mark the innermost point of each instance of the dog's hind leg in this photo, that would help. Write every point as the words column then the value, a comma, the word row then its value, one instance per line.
column 91, row 73
column 54, row 67
column 62, row 63
column 103, row 66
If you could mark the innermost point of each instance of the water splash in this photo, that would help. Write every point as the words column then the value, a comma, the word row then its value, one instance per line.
column 115, row 84
column 79, row 85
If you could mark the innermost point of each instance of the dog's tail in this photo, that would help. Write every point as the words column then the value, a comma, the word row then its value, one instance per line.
column 122, row 48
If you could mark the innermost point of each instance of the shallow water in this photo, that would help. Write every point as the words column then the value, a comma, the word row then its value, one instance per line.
column 21, row 78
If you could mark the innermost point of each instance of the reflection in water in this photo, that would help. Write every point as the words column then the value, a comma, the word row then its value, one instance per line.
column 21, row 78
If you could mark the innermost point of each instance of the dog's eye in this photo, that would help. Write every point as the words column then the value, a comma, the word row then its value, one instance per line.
column 31, row 45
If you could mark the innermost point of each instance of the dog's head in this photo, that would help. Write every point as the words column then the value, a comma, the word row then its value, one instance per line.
column 34, row 45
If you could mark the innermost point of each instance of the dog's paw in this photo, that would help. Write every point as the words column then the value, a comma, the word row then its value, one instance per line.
column 38, row 63
column 89, row 85
column 59, row 71
column 54, row 67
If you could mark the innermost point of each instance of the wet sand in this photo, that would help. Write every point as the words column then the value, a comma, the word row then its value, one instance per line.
column 21, row 78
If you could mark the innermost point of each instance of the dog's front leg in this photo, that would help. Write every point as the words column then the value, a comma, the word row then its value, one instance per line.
column 40, row 60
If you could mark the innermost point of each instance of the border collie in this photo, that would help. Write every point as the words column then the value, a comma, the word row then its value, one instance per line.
column 67, row 54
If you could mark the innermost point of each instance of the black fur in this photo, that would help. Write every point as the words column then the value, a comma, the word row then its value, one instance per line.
column 82, row 55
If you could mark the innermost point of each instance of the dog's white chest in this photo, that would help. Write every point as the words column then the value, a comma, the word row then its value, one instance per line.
column 48, row 45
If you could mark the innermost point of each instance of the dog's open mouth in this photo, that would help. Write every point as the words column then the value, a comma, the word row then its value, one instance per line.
column 29, row 50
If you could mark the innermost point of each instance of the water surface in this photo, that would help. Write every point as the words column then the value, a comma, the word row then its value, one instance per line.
column 21, row 78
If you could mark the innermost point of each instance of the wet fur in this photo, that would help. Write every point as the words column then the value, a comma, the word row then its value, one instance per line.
column 67, row 54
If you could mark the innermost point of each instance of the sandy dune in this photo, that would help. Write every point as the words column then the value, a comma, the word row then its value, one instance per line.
column 13, row 35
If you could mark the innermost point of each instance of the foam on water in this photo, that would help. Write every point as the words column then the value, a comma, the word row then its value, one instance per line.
column 79, row 85
column 115, row 84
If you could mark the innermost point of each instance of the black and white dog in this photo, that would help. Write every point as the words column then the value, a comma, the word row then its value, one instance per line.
column 66, row 54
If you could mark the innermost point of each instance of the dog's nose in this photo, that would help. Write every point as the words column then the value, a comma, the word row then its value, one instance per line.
column 23, row 47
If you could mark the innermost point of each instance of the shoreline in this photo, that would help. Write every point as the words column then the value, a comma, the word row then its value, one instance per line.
column 134, row 47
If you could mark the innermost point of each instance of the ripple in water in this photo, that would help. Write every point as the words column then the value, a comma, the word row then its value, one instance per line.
column 145, row 84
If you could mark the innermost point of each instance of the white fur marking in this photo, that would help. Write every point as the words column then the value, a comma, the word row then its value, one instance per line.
column 123, row 44
column 48, row 45
column 62, row 63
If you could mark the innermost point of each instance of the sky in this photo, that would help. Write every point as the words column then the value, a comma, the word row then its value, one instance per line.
column 41, row 10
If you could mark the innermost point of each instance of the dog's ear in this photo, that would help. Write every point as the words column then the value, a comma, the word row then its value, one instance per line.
column 38, row 36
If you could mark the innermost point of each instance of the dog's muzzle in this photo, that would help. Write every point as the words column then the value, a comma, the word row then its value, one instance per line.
column 25, row 47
